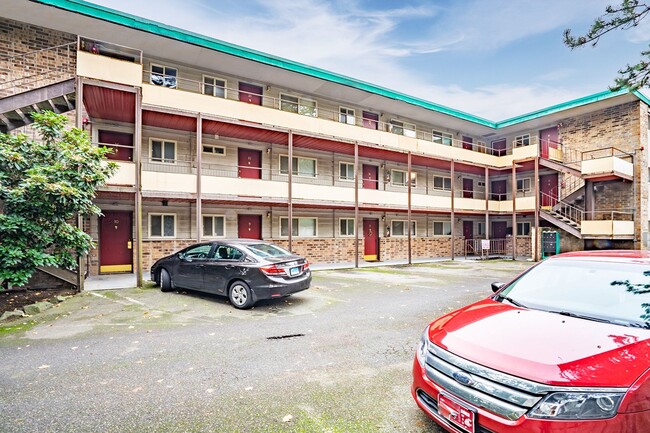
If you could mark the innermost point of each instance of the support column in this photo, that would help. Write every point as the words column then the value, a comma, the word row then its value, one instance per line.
column 514, row 211
column 537, row 231
column 590, row 200
column 453, row 216
column 137, row 157
column 81, row 258
column 410, row 185
column 290, row 192
column 356, row 205
column 487, row 203
column 199, row 170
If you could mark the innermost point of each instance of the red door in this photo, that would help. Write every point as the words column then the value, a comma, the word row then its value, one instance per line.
column 468, row 229
column 548, row 139
column 548, row 189
column 250, row 163
column 370, row 176
column 249, row 226
column 499, row 147
column 120, row 153
column 498, row 190
column 499, row 229
column 370, row 120
column 370, row 239
column 468, row 188
column 250, row 93
column 467, row 143
column 115, row 242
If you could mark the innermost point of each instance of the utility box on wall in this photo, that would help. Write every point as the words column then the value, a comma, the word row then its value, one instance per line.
column 550, row 244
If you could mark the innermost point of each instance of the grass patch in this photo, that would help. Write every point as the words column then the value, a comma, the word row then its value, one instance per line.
column 14, row 328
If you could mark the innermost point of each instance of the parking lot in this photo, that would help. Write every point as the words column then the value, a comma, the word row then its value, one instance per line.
column 335, row 358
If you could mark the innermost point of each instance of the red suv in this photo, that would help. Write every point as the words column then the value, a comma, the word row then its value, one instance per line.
column 564, row 347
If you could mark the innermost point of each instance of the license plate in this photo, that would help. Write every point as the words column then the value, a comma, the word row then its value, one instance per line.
column 294, row 271
column 457, row 413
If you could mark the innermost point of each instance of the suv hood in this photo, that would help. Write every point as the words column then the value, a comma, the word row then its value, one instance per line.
column 544, row 347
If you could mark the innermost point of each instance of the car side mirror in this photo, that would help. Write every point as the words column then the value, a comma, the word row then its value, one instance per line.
column 496, row 286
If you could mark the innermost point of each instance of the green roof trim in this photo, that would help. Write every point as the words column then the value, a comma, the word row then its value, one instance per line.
column 138, row 23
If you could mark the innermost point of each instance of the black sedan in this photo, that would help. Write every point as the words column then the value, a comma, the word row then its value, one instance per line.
column 245, row 270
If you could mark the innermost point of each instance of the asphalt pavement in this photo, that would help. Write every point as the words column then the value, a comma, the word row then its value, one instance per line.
column 335, row 358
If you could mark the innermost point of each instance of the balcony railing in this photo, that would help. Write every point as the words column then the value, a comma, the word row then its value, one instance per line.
column 28, row 71
column 189, row 85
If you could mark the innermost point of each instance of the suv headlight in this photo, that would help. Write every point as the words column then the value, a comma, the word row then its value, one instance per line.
column 423, row 347
column 577, row 405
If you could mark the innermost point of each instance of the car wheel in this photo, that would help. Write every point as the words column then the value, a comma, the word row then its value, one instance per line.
column 240, row 295
column 165, row 281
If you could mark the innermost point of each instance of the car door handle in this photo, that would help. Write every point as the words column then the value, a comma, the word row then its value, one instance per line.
column 229, row 266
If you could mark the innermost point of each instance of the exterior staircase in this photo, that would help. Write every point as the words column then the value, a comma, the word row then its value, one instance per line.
column 36, row 81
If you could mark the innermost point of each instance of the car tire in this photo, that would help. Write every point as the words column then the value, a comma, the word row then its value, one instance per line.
column 240, row 295
column 165, row 281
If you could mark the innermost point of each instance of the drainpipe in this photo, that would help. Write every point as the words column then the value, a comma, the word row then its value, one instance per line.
column 409, row 207
column 138, row 185
column 199, row 170
column 290, row 192
column 356, row 204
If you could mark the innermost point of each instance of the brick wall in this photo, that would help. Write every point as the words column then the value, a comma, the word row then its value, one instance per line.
column 154, row 250
column 617, row 126
column 613, row 195
column 323, row 250
column 23, row 72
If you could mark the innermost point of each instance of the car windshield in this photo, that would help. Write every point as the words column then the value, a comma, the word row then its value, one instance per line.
column 268, row 250
column 596, row 290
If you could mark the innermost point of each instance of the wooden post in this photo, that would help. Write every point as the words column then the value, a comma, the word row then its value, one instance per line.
column 514, row 211
column 409, row 208
column 199, row 170
column 81, row 259
column 356, row 205
column 290, row 192
column 537, row 230
column 453, row 216
column 137, row 156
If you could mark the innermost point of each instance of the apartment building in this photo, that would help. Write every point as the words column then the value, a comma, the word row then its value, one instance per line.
column 216, row 141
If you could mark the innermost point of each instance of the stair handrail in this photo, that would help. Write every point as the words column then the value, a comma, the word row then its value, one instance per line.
column 28, row 71
column 567, row 210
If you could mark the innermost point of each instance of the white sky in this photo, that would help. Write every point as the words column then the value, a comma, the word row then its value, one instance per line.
column 491, row 58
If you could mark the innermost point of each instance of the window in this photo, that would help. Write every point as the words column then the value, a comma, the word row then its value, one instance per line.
column 214, row 150
column 298, row 105
column 304, row 227
column 480, row 228
column 346, row 115
column 399, row 178
column 225, row 252
column 523, row 229
column 214, row 86
column 370, row 120
column 480, row 184
column 346, row 171
column 442, row 228
column 305, row 167
column 442, row 138
column 402, row 128
column 442, row 183
column 522, row 140
column 214, row 226
column 523, row 185
column 346, row 226
column 163, row 76
column 162, row 225
column 398, row 228
column 197, row 252
column 163, row 151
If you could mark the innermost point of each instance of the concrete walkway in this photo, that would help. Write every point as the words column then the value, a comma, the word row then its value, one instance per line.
column 125, row 281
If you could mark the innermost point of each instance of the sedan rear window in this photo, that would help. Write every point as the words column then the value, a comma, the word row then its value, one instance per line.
column 598, row 290
column 267, row 250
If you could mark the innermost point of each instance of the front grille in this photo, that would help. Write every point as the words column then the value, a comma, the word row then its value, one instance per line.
column 432, row 405
column 507, row 396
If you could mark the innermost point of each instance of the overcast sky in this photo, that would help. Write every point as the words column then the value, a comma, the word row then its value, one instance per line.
column 491, row 58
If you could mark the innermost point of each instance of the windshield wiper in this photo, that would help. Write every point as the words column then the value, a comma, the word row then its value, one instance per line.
column 512, row 301
column 582, row 316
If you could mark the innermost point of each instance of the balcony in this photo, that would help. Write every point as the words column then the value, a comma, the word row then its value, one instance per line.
column 607, row 164
column 608, row 224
